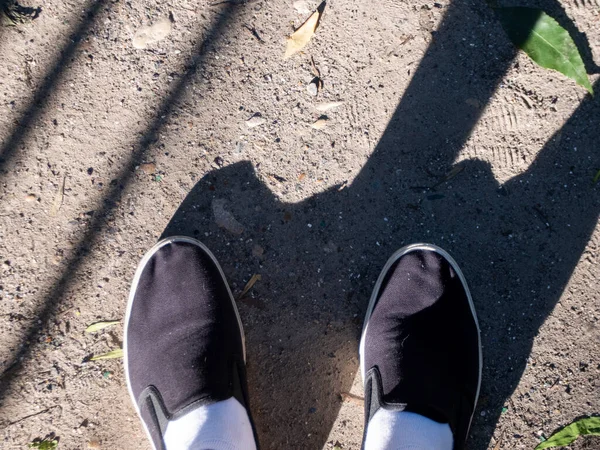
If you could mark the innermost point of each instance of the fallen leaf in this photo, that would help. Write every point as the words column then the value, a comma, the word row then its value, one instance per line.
column 118, row 353
column 151, row 34
column 303, row 175
column 100, row 325
column 320, row 123
column 545, row 42
column 596, row 178
column 568, row 434
column 326, row 106
column 256, row 277
column 58, row 200
column 44, row 444
column 298, row 40
column 224, row 218
column 453, row 172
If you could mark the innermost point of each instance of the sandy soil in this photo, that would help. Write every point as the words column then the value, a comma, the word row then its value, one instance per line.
column 445, row 135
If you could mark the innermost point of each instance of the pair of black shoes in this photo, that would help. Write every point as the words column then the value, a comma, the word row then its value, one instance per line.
column 184, row 343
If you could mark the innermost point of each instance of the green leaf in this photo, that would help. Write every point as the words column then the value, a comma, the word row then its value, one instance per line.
column 100, row 325
column 566, row 435
column 596, row 177
column 118, row 353
column 545, row 41
column 45, row 444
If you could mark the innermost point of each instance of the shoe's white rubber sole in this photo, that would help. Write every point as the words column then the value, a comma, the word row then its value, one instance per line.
column 134, row 285
column 390, row 262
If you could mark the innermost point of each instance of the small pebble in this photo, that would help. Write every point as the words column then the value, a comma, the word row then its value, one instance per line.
column 320, row 124
column 326, row 106
column 255, row 121
column 30, row 198
column 93, row 443
column 313, row 89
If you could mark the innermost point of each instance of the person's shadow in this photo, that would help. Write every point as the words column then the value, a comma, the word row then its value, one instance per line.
column 518, row 242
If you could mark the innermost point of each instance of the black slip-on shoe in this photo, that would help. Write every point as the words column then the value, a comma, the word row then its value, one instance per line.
column 184, row 343
column 420, row 349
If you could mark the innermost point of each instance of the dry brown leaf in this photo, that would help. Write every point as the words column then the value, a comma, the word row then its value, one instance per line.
column 256, row 277
column 58, row 200
column 152, row 34
column 298, row 40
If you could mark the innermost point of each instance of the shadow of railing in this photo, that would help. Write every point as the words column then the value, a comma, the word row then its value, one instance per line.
column 39, row 101
column 47, row 307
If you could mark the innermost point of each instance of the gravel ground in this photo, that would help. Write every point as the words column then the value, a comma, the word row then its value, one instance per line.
column 445, row 135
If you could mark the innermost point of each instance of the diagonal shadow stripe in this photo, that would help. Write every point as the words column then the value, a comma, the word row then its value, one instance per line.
column 38, row 103
column 51, row 301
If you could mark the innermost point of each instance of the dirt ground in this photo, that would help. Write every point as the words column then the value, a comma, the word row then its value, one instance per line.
column 445, row 135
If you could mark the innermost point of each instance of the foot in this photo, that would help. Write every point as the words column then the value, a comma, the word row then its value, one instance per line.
column 184, row 343
column 420, row 349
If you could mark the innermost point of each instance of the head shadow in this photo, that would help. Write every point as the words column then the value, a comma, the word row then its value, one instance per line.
column 517, row 242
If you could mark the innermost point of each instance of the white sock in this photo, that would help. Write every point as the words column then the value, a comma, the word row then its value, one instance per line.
column 401, row 430
column 221, row 426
